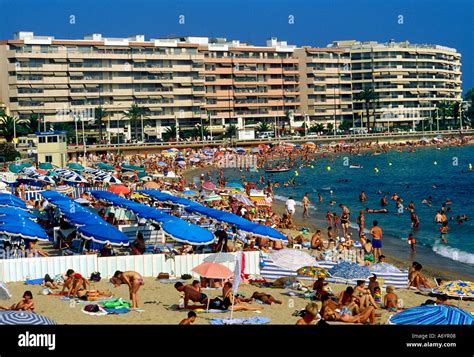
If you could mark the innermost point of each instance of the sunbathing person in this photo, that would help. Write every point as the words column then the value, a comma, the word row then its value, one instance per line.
column 190, row 293
column 74, row 282
column 134, row 282
column 390, row 300
column 265, row 298
column 190, row 319
column 49, row 283
column 346, row 316
column 93, row 295
column 235, row 304
column 348, row 300
column 416, row 278
column 363, row 296
column 23, row 305
column 311, row 315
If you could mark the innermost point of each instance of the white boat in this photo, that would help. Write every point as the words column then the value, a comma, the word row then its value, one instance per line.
column 355, row 166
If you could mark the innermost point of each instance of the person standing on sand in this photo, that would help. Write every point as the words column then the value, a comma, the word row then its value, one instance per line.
column 290, row 206
column 361, row 222
column 376, row 233
column 305, row 202
column 134, row 282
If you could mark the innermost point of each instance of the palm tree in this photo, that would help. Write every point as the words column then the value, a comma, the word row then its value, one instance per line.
column 456, row 111
column 67, row 127
column 170, row 133
column 263, row 127
column 197, row 132
column 8, row 126
column 99, row 114
column 445, row 109
column 369, row 97
column 134, row 114
column 316, row 128
column 231, row 131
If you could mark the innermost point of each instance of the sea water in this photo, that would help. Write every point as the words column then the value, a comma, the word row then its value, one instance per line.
column 440, row 173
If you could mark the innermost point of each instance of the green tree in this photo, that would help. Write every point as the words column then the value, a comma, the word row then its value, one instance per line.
column 170, row 133
column 134, row 114
column 369, row 98
column 8, row 125
column 68, row 128
column 316, row 128
column 99, row 114
column 263, row 127
column 197, row 133
column 8, row 152
column 231, row 131
column 330, row 127
column 445, row 110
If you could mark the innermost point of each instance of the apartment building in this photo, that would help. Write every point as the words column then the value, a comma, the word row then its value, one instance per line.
column 247, row 84
column 187, row 80
column 63, row 79
column 410, row 80
column 325, row 84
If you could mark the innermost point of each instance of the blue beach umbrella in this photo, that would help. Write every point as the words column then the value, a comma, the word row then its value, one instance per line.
column 22, row 227
column 103, row 233
column 8, row 200
column 432, row 315
column 104, row 166
column 46, row 166
column 75, row 166
column 11, row 211
column 189, row 193
column 234, row 185
column 23, row 318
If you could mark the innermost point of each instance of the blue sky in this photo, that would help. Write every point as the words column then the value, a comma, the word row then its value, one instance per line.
column 316, row 22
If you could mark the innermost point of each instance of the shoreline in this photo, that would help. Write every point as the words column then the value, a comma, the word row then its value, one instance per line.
column 316, row 221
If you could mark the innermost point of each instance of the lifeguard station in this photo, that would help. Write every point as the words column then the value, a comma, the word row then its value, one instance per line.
column 52, row 147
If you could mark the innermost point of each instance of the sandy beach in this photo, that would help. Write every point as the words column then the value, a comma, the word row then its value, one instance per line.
column 161, row 296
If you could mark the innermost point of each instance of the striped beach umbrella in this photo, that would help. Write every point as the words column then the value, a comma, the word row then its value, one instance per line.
column 23, row 318
column 349, row 271
column 65, row 189
column 243, row 199
column 432, row 315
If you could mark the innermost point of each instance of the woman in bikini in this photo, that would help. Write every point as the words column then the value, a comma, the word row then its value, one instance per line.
column 390, row 300
column 368, row 315
column 134, row 282
column 23, row 305
column 347, row 300
column 234, row 303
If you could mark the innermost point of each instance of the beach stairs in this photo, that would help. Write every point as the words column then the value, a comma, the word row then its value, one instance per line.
column 271, row 271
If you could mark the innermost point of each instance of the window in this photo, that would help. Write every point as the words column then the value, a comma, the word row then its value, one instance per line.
column 41, row 139
column 48, row 158
column 52, row 139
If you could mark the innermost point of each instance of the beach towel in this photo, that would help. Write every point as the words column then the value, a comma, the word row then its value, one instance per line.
column 34, row 281
column 171, row 281
column 256, row 320
column 116, row 311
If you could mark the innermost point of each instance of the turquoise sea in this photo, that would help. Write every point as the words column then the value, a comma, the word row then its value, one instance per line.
column 440, row 173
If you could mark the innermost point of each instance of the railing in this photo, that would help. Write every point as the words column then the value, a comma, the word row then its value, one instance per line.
column 256, row 141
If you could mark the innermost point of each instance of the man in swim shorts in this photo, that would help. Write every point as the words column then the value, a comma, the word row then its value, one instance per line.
column 190, row 293
column 376, row 233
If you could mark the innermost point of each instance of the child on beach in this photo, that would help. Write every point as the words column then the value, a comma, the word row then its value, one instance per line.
column 134, row 282
column 412, row 242
column 190, row 319
column 444, row 232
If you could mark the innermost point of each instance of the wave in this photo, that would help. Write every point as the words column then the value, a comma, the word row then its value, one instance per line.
column 453, row 253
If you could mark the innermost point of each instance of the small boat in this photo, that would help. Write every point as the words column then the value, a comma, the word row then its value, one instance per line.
column 355, row 166
column 277, row 170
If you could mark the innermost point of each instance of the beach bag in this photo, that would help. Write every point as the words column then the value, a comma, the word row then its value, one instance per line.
column 186, row 277
column 163, row 276
column 95, row 276
column 91, row 308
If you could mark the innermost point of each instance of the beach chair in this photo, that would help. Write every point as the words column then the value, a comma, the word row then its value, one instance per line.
column 75, row 248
